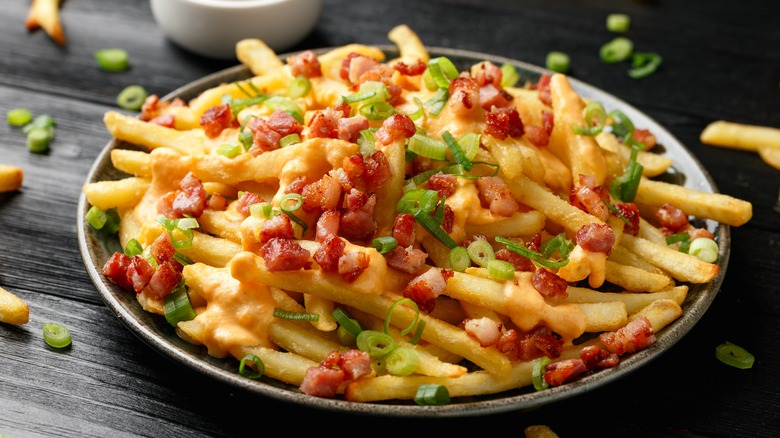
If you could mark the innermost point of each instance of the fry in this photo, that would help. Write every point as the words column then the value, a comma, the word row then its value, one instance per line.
column 119, row 193
column 409, row 45
column 154, row 136
column 740, row 136
column 13, row 310
column 634, row 302
column 257, row 56
column 46, row 14
column 680, row 266
column 11, row 178
column 660, row 313
column 771, row 156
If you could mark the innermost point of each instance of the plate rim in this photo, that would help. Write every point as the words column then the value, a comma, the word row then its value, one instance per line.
column 695, row 306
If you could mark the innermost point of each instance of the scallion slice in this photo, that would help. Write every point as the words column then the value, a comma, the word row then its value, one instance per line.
column 289, row 139
column 459, row 259
column 618, row 23
column 427, row 147
column 18, row 117
column 402, row 361
column 132, row 97
column 533, row 255
column 456, row 150
column 617, row 50
column 558, row 243
column 96, row 217
column 432, row 394
column 509, row 75
column 291, row 202
column 734, row 355
column 500, row 269
column 113, row 60
column 133, row 248
column 285, row 104
column 245, row 370
column 38, row 140
column 420, row 111
column 261, row 210
column 481, row 252
column 558, row 62
column 644, row 64
column 595, row 117
column 376, row 110
column 295, row 316
column 436, row 103
column 230, row 150
column 411, row 326
column 344, row 320
column 705, row 249
column 375, row 343
column 443, row 71
column 177, row 305
column 384, row 244
column 537, row 375
column 299, row 87
column 56, row 335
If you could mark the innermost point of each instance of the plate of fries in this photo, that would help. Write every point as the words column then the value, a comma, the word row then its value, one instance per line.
column 643, row 277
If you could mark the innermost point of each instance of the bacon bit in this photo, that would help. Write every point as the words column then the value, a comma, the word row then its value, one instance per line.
column 152, row 106
column 357, row 222
column 321, row 381
column 190, row 199
column 279, row 226
column 325, row 124
column 548, row 342
column 596, row 358
column 495, row 194
column 543, row 87
column 139, row 273
column 634, row 336
column 520, row 262
column 449, row 219
column 162, row 249
column 358, row 66
column 671, row 218
column 489, row 73
column 321, row 195
column 548, row 121
column 165, row 278
column 217, row 202
column 403, row 229
column 329, row 252
column 284, row 255
column 443, row 183
column 266, row 133
column 350, row 174
column 166, row 120
column 395, row 127
column 484, row 330
column 378, row 171
column 327, row 224
column 355, row 364
column 352, row 264
column 491, row 96
column 537, row 135
column 349, row 128
column 550, row 285
column 645, row 137
column 406, row 259
column 528, row 346
column 596, row 238
column 215, row 119
column 245, row 201
column 503, row 123
column 344, row 108
column 297, row 185
column 305, row 64
column 464, row 95
column 535, row 243
column 415, row 69
column 115, row 269
column 630, row 212
column 424, row 288
column 345, row 64
column 558, row 373
column 284, row 124
column 590, row 199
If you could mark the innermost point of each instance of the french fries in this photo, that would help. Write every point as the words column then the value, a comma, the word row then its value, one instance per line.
column 13, row 310
column 276, row 232
column 752, row 138
column 11, row 178
column 46, row 14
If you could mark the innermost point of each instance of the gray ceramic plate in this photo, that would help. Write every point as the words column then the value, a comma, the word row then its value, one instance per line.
column 155, row 331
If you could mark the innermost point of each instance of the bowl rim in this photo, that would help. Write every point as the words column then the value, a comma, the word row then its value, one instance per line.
column 234, row 4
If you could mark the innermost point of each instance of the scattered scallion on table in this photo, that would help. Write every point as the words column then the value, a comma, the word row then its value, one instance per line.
column 132, row 97
column 112, row 60
column 56, row 335
column 558, row 62
column 618, row 23
column 19, row 117
column 617, row 50
column 734, row 355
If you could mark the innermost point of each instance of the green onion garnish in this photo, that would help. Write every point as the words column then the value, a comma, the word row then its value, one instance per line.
column 644, row 64
column 734, row 355
column 96, row 217
column 38, row 140
column 624, row 186
column 500, row 269
column 402, row 361
column 456, row 151
column 414, row 321
column 684, row 239
column 537, row 375
column 595, row 116
column 432, row 394
column 481, row 252
column 291, row 202
column 180, row 230
column 289, row 139
column 367, row 142
column 618, row 23
column 177, row 305
column 705, row 249
column 56, row 335
column 230, row 150
column 558, row 243
column 376, row 110
column 246, row 371
column 18, row 117
column 420, row 203
column 442, row 71
column 132, row 97
column 418, row 332
column 558, row 62
column 384, row 244
column 509, row 75
column 622, row 126
column 427, row 147
column 533, row 255
column 617, row 50
column 299, row 87
column 350, row 324
column 295, row 316
column 420, row 111
column 133, row 248
column 375, row 343
column 261, row 210
column 284, row 104
column 113, row 60
column 436, row 103
column 369, row 92
column 459, row 259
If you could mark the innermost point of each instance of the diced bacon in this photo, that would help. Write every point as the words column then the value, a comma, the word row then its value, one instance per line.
column 537, row 135
column 415, row 69
column 264, row 138
column 645, row 137
column 495, row 194
column 395, row 127
column 329, row 252
column 217, row 202
column 322, row 381
column 403, row 229
column 165, row 278
column 464, row 95
column 396, row 95
column 325, row 123
column 596, row 358
column 284, row 255
column 351, row 173
column 139, row 273
column 596, row 238
column 349, row 127
column 503, row 123
column 284, row 124
column 167, row 120
column 507, row 344
column 543, row 88
column 549, row 284
column 548, row 121
column 695, row 233
column 215, row 119
column 245, row 201
column 491, row 96
column 634, row 336
column 671, row 217
column 352, row 264
column 327, row 224
column 546, row 341
column 150, row 108
column 378, row 171
column 489, row 73
column 279, row 226
column 115, row 269
column 345, row 63
column 343, row 108
column 589, row 200
column 448, row 220
column 535, row 242
column 528, row 346
column 321, row 195
column 358, row 66
column 425, row 288
column 521, row 263
column 443, row 183
column 484, row 330
column 297, row 185
column 191, row 199
column 406, row 259
column 162, row 249
column 355, row 364
column 305, row 64
column 630, row 212
column 357, row 221
column 560, row 372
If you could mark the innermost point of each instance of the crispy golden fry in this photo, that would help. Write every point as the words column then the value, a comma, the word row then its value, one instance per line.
column 257, row 56
column 322, row 307
column 409, row 45
column 771, row 156
column 539, row 431
column 153, row 136
column 13, row 310
column 46, row 14
column 633, row 301
column 716, row 206
column 283, row 366
column 137, row 163
column 652, row 164
column 740, row 136
column 679, row 265
column 636, row 279
column 11, row 178
column 660, row 313
column 119, row 193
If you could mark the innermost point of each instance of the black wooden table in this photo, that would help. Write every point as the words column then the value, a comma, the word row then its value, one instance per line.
column 721, row 60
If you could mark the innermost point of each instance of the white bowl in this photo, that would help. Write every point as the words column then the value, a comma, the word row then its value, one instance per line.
column 213, row 27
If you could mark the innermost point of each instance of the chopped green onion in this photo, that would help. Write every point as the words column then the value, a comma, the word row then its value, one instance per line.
column 375, row 343
column 442, row 71
column 56, row 335
column 470, row 144
column 533, row 255
column 432, row 394
column 132, row 97
column 420, row 111
column 182, row 259
column 537, row 375
column 705, row 249
column 500, row 269
column 481, row 252
column 113, row 60
column 247, row 139
column 96, row 217
column 456, row 151
column 617, row 50
column 299, row 87
column 418, row 332
column 289, row 139
column 558, row 62
column 237, row 105
column 230, row 150
column 181, row 238
column 684, row 239
column 595, row 116
column 509, row 75
column 177, row 306
column 245, row 371
column 622, row 126
column 384, row 244
column 291, row 202
column 418, row 200
column 44, row 121
column 367, row 142
column 428, row 80
column 298, row 221
column 402, row 361
column 18, row 117
column 459, row 258
column 559, row 243
column 187, row 223
column 434, row 229
column 133, row 248
column 376, row 110
column 390, row 314
column 38, row 140
column 369, row 92
column 437, row 101
column 261, row 210
column 350, row 324
column 644, row 64
column 284, row 104
column 618, row 23
column 427, row 147
column 295, row 316
column 625, row 186
column 734, row 355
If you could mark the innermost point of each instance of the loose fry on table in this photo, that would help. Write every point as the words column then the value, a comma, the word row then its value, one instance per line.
column 11, row 178
column 539, row 431
column 13, row 310
column 46, row 14
column 771, row 156
column 740, row 136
